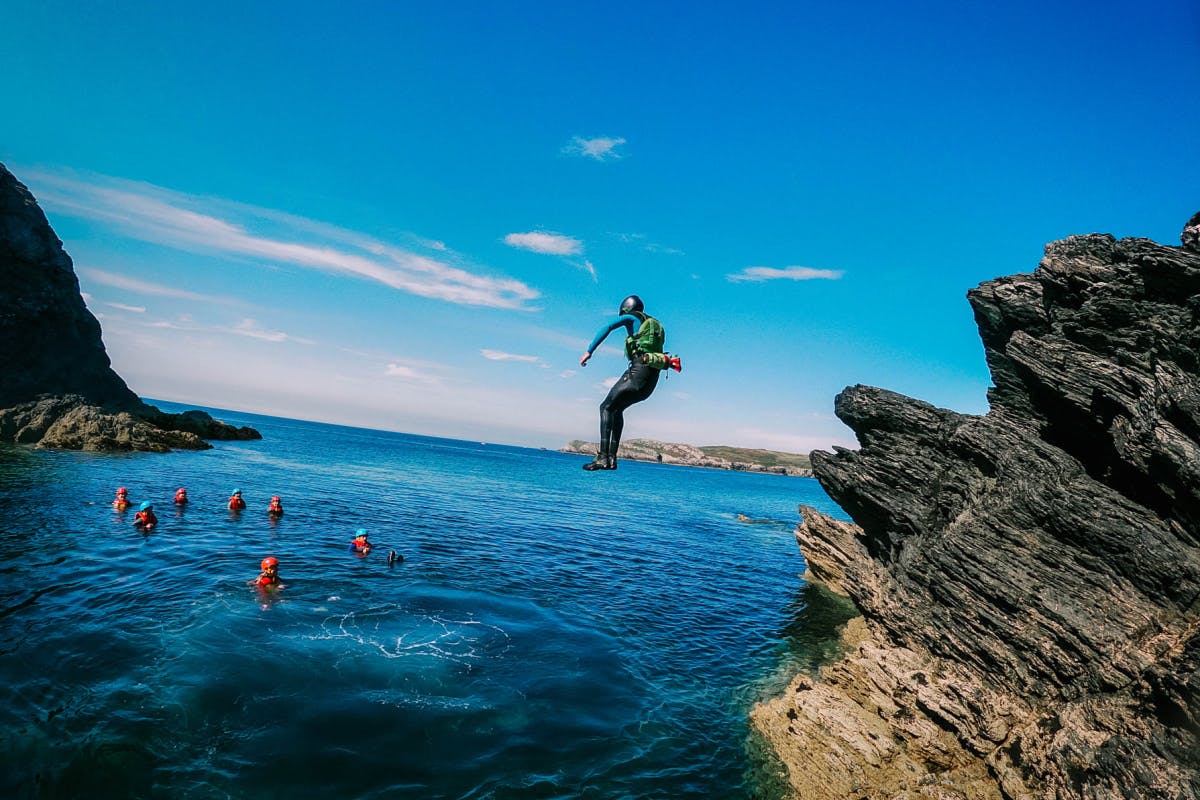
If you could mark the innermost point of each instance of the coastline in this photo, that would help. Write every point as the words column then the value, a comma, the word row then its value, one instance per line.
column 685, row 455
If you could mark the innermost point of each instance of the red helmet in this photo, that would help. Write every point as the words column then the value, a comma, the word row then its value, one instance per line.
column 274, row 498
column 270, row 561
column 122, row 490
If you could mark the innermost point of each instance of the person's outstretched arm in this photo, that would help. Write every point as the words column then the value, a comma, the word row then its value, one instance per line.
column 631, row 324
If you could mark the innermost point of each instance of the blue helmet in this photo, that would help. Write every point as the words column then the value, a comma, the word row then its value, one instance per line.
column 360, row 532
column 146, row 506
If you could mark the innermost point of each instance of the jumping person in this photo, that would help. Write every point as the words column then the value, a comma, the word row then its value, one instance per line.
column 644, row 349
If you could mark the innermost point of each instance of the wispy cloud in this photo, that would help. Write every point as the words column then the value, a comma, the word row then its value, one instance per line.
column 642, row 241
column 554, row 244
column 127, row 284
column 132, row 309
column 408, row 372
column 252, row 329
column 207, row 225
column 247, row 327
column 759, row 274
column 500, row 355
column 600, row 148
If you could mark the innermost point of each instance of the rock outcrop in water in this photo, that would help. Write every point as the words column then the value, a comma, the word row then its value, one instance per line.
column 58, row 387
column 1029, row 578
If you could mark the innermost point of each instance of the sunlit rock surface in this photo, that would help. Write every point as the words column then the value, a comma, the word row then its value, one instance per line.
column 1029, row 578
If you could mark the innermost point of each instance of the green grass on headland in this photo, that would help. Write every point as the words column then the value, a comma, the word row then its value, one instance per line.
column 767, row 458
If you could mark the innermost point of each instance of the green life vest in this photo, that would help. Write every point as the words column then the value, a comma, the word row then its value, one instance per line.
column 648, row 341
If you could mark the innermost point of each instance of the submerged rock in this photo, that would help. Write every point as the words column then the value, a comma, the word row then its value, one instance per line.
column 59, row 388
column 1029, row 578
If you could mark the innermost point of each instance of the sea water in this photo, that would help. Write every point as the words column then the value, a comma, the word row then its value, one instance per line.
column 550, row 632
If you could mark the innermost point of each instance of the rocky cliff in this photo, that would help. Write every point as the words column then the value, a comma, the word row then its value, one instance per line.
column 1029, row 578
column 58, row 387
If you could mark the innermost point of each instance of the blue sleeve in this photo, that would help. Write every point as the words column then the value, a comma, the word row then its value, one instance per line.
column 630, row 322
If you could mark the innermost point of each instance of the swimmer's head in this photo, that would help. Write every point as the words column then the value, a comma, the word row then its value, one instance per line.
column 146, row 506
column 181, row 490
column 361, row 533
column 275, row 499
column 122, row 490
column 237, row 492
column 270, row 563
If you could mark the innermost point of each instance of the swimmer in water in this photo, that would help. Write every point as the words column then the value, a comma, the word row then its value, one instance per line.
column 236, row 503
column 121, row 501
column 359, row 543
column 181, row 497
column 268, row 579
column 145, row 517
column 275, row 509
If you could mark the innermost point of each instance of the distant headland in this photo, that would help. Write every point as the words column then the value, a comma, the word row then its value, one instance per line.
column 59, row 389
column 715, row 457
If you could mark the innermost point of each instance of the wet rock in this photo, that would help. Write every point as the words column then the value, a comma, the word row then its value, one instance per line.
column 59, row 388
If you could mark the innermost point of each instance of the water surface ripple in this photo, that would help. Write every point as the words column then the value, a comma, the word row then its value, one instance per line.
column 551, row 633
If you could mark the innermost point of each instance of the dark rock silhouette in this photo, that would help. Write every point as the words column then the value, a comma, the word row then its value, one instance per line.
column 58, row 387
column 1029, row 578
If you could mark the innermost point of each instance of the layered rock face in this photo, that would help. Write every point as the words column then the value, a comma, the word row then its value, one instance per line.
column 1029, row 579
column 58, row 387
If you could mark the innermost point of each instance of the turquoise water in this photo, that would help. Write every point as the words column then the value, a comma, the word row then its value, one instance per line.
column 551, row 632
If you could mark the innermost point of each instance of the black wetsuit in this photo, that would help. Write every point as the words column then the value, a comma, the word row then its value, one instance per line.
column 634, row 386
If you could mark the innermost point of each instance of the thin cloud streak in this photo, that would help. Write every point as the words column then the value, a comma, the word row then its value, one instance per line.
column 251, row 328
column 128, row 284
column 598, row 148
column 554, row 244
column 760, row 274
column 499, row 355
column 640, row 240
column 165, row 217
column 406, row 372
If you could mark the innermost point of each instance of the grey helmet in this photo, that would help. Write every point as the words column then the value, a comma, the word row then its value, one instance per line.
column 632, row 305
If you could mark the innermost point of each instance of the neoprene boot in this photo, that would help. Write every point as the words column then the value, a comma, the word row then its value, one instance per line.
column 596, row 463
column 610, row 462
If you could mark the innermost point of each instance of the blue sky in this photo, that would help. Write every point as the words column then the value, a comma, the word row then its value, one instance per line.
column 415, row 216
